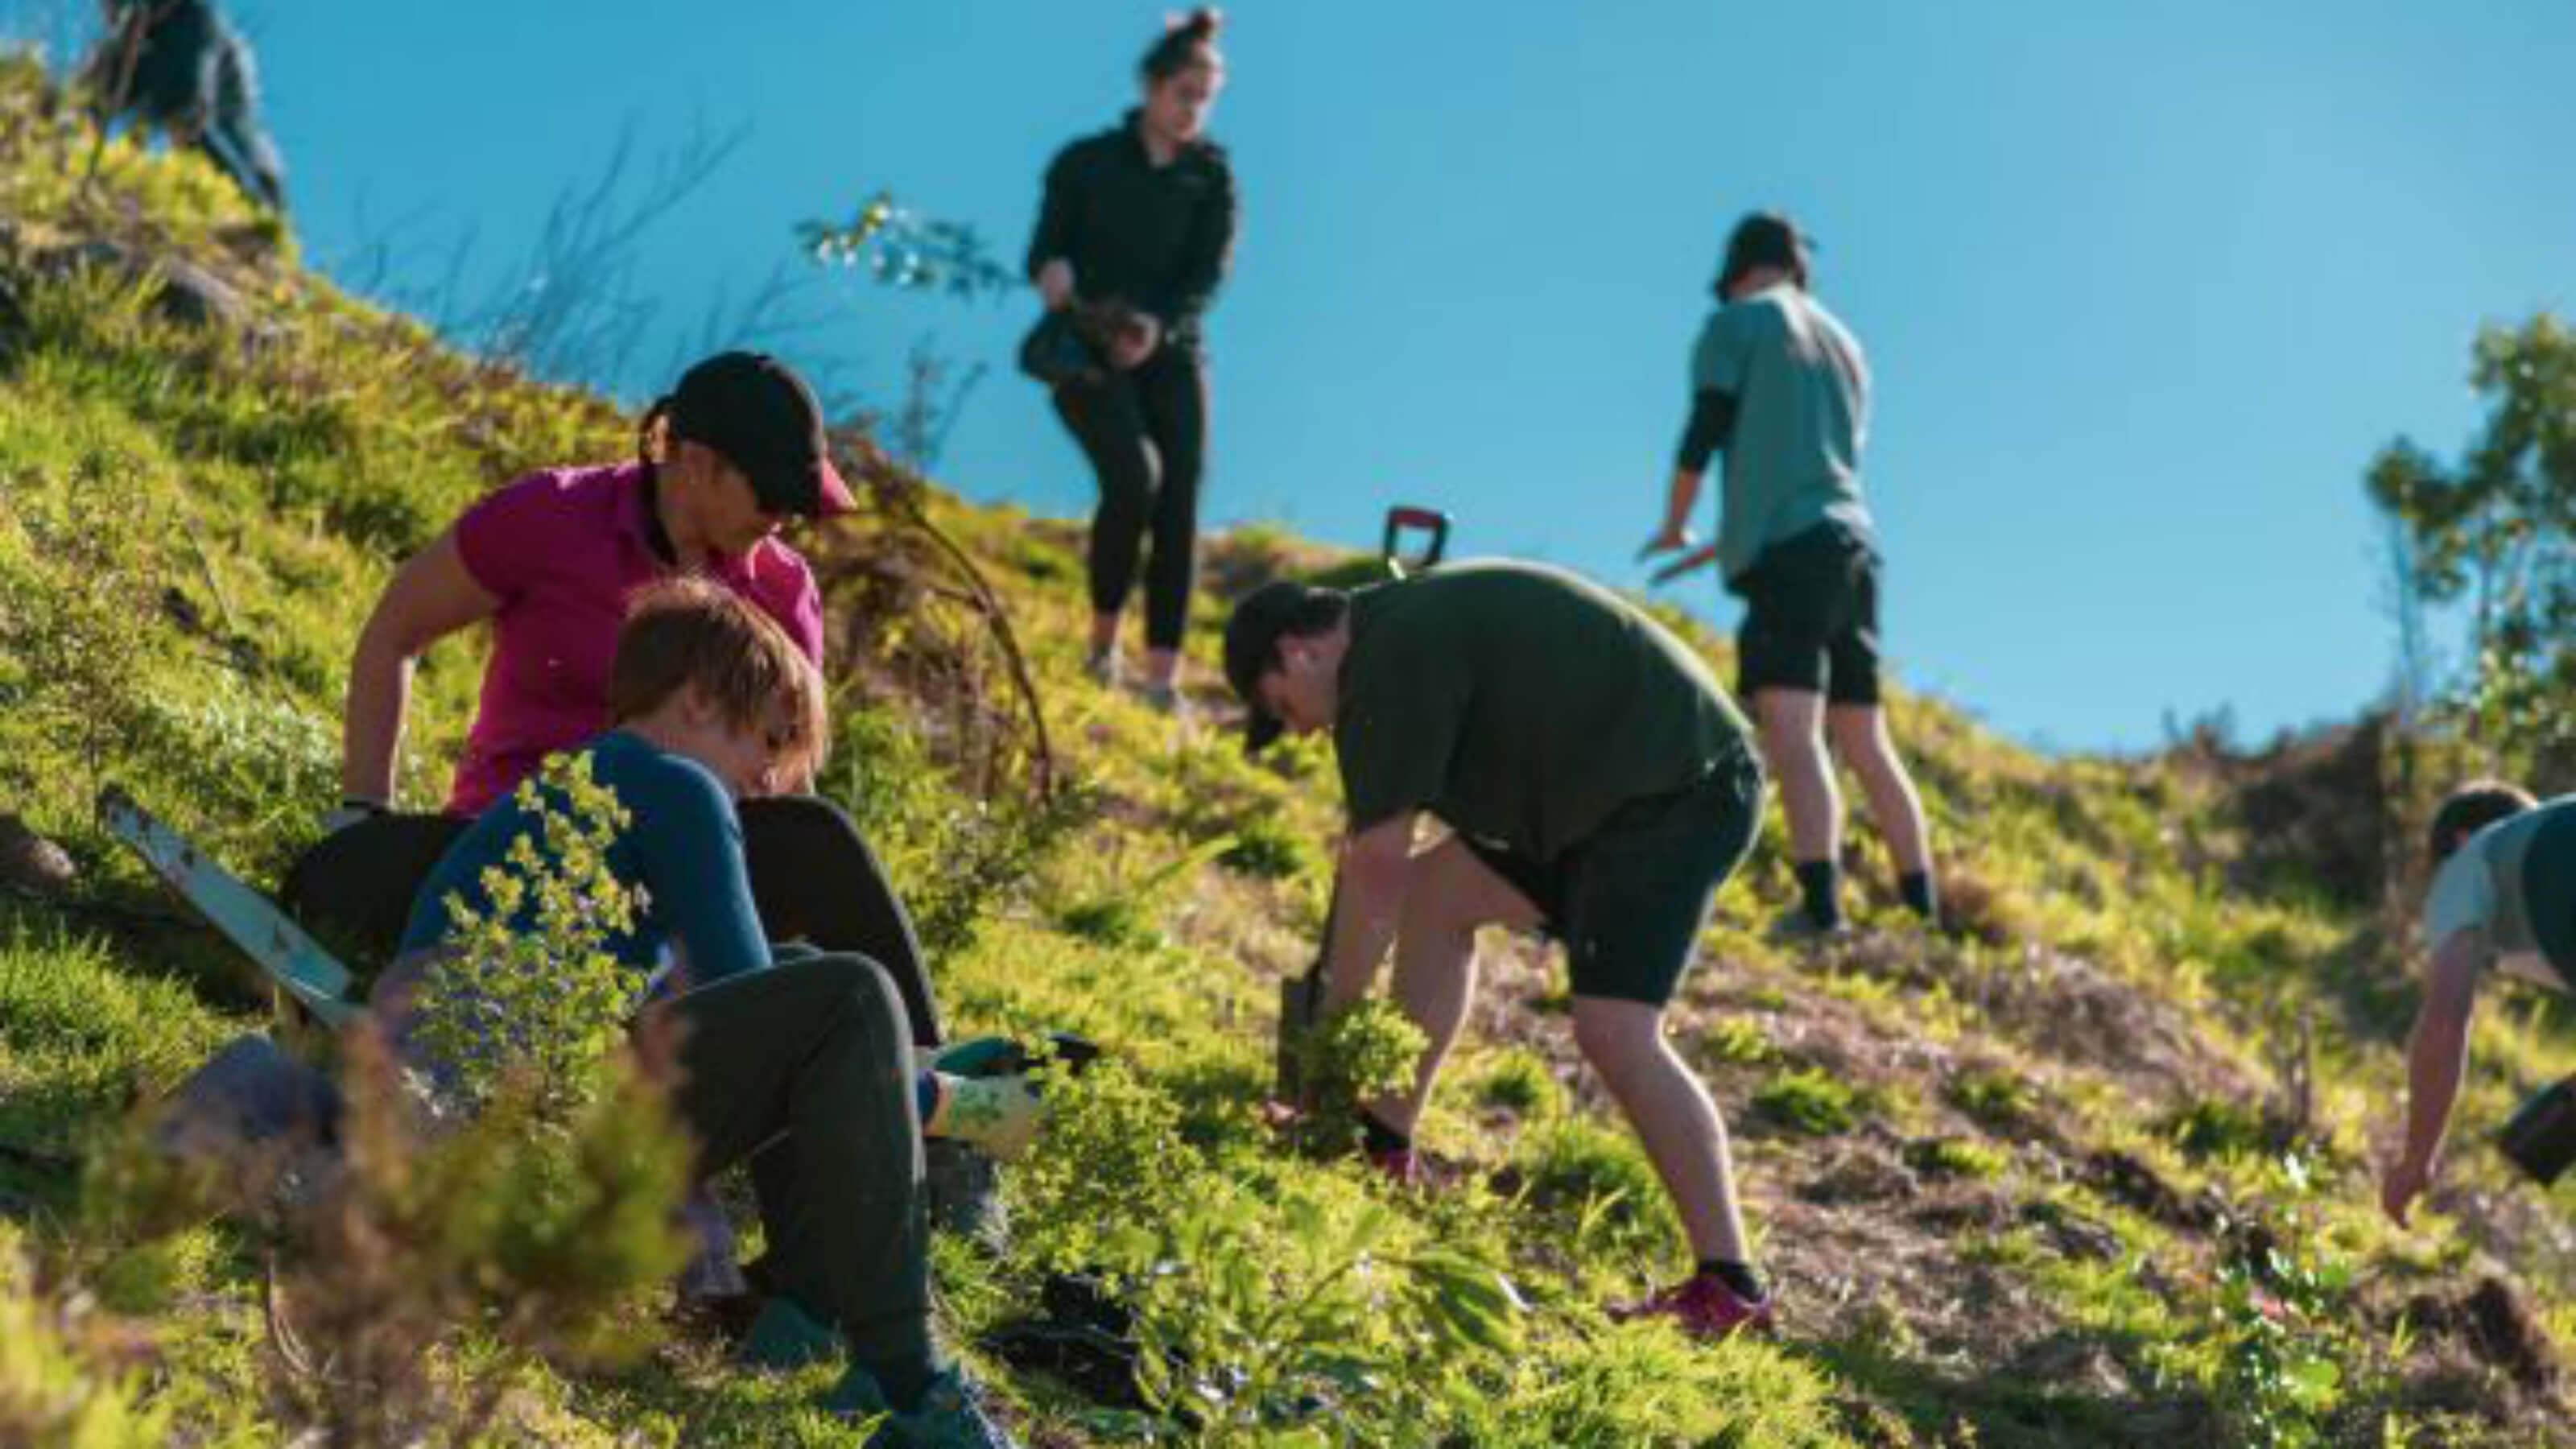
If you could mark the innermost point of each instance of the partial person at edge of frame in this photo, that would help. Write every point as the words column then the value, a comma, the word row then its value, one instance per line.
column 2502, row 900
column 1142, row 215
column 550, row 560
column 1781, row 386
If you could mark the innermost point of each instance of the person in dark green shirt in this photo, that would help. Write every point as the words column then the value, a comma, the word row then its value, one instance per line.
column 1597, row 785
column 1780, row 384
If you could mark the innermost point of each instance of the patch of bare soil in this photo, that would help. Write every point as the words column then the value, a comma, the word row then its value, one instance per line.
column 2494, row 1322
column 2065, row 1007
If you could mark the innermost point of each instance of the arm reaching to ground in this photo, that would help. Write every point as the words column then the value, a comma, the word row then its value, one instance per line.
column 2435, row 1055
column 1368, row 901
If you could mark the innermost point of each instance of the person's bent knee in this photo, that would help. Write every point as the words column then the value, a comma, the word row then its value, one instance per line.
column 1430, row 909
column 862, row 993
column 1608, row 1028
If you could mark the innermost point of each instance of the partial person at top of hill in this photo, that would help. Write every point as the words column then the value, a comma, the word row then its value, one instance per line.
column 176, row 66
column 1138, row 223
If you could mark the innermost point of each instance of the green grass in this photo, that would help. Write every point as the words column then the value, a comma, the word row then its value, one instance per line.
column 191, row 525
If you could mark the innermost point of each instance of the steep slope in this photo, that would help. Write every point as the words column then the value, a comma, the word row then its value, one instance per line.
column 2094, row 1169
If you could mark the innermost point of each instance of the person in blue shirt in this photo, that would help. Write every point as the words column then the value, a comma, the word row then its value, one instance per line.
column 710, row 701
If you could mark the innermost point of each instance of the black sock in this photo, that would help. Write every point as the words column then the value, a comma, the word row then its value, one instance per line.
column 1738, row 1277
column 1377, row 1137
column 904, row 1379
column 1817, row 881
column 1921, row 897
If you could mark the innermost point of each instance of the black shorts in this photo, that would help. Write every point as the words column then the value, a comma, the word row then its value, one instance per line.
column 1811, row 618
column 1629, row 900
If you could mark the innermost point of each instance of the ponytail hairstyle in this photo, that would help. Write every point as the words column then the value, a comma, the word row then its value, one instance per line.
column 1187, row 40
column 653, row 433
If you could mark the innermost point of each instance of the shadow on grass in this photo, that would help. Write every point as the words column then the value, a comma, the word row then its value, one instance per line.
column 2040, row 1401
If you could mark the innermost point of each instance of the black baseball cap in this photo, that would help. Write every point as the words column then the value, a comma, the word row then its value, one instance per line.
column 755, row 411
column 1252, row 646
column 1764, row 239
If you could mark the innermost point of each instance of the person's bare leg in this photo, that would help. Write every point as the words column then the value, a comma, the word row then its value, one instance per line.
column 1448, row 894
column 1860, row 740
column 1792, row 728
column 1793, row 745
column 1663, row 1099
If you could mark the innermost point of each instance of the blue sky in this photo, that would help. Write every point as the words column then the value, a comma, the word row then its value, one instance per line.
column 2143, row 287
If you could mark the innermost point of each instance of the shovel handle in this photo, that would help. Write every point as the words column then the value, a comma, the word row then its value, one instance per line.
column 1405, row 517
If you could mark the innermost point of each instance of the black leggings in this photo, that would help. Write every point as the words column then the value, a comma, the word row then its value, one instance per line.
column 1146, row 435
column 813, row 879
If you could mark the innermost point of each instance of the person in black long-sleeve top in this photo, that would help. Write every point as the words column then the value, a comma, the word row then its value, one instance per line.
column 1143, row 214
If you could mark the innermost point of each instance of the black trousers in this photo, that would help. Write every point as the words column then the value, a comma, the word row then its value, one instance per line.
column 1145, row 433
column 802, row 1070
column 813, row 879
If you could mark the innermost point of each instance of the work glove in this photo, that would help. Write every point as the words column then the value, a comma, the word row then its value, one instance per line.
column 982, row 1056
column 999, row 1115
column 1002, row 1056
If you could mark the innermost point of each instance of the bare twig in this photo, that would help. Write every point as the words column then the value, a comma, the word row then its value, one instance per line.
column 899, row 491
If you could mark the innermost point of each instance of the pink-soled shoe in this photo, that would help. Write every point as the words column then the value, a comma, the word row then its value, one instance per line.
column 1702, row 1307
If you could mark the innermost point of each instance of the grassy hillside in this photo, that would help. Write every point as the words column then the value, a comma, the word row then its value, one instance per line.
column 2096, row 1169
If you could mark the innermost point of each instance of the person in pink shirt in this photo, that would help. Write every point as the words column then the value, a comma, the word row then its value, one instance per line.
column 550, row 560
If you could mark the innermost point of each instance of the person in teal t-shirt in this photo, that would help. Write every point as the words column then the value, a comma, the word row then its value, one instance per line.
column 1780, row 384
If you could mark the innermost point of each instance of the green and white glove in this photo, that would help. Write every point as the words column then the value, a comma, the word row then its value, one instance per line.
column 999, row 1115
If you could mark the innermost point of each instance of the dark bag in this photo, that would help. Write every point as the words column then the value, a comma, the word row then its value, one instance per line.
column 2541, row 1138
column 1056, row 351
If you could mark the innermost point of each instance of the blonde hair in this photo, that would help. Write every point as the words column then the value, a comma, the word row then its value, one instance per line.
column 690, row 632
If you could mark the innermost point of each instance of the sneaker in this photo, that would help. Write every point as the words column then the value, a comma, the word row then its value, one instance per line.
column 1702, row 1308
column 948, row 1418
column 1399, row 1165
column 1795, row 927
column 1102, row 666
column 1163, row 698
column 784, row 1337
